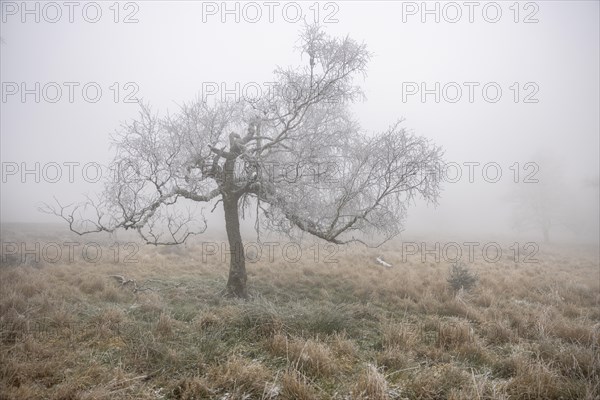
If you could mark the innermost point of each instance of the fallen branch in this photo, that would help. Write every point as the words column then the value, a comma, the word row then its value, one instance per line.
column 381, row 261
column 124, row 281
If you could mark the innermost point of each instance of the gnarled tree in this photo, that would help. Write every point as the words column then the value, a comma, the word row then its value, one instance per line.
column 302, row 161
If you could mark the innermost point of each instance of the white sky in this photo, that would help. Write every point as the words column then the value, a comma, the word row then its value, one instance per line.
column 170, row 53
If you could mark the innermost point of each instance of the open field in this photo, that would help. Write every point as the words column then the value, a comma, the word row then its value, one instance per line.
column 349, row 329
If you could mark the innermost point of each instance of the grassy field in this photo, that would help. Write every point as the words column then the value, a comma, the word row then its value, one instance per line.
column 312, row 329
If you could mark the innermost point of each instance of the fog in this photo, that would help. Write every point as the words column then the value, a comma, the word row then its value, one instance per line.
column 536, row 119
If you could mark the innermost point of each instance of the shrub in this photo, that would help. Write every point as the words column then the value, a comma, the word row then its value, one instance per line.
column 461, row 278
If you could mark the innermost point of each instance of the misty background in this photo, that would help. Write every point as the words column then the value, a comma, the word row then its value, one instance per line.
column 175, row 49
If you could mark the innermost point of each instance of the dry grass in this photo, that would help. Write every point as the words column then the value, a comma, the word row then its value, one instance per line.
column 309, row 356
column 295, row 386
column 371, row 385
column 311, row 330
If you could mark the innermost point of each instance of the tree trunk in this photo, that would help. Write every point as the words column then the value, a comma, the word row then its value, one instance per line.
column 236, row 284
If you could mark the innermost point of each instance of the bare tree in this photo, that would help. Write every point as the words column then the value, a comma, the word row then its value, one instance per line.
column 301, row 161
column 539, row 202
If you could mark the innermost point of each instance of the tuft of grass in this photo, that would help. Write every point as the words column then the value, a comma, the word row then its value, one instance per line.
column 323, row 318
column 437, row 382
column 295, row 386
column 164, row 326
column 394, row 359
column 535, row 380
column 371, row 385
column 399, row 336
column 240, row 377
column 192, row 388
column 92, row 285
column 454, row 333
column 307, row 355
column 505, row 368
column 260, row 319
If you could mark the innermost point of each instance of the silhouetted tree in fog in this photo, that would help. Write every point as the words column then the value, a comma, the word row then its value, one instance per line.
column 539, row 198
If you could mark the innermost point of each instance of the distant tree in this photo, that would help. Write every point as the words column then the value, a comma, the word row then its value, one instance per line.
column 344, row 181
column 539, row 201
column 585, row 219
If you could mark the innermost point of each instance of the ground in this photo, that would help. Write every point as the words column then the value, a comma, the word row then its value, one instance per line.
column 350, row 329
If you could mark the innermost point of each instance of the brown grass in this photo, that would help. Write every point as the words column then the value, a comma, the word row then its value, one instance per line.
column 295, row 386
column 311, row 330
column 310, row 356
column 371, row 384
